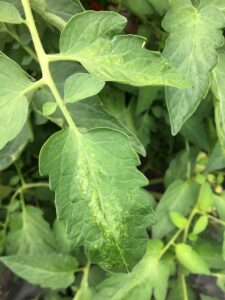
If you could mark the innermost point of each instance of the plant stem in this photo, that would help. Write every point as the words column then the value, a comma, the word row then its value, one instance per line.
column 216, row 220
column 84, row 282
column 44, row 64
column 28, row 186
column 156, row 181
column 170, row 243
column 188, row 163
column 184, row 286
column 186, row 230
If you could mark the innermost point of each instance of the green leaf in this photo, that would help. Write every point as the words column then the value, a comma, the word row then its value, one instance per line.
column 13, row 103
column 49, row 108
column 195, row 34
column 9, row 13
column 219, row 3
column 112, row 57
column 205, row 199
column 179, row 196
column 216, row 159
column 191, row 260
column 200, row 225
column 217, row 85
column 178, row 220
column 211, row 251
column 150, row 276
column 141, row 9
column 10, row 153
column 29, row 233
column 80, row 86
column 219, row 202
column 53, row 271
column 59, row 231
column 87, row 114
column 97, row 188
column 161, row 6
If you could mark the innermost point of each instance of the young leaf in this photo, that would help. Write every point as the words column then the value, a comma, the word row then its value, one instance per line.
column 200, row 225
column 49, row 108
column 29, row 233
column 13, row 103
column 9, row 13
column 179, row 196
column 217, row 85
column 178, row 220
column 97, row 188
column 205, row 199
column 80, row 86
column 53, row 271
column 191, row 260
column 113, row 57
column 195, row 34
column 149, row 277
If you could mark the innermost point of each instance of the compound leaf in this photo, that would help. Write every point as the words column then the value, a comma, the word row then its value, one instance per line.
column 191, row 31
column 112, row 57
column 97, row 188
column 53, row 271
column 13, row 103
column 150, row 276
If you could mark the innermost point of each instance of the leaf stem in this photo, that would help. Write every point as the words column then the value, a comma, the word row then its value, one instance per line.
column 28, row 186
column 216, row 219
column 184, row 286
column 44, row 64
column 170, row 243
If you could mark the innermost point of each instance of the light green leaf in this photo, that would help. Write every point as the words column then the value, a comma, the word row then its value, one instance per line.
column 53, row 271
column 13, row 149
column 113, row 57
column 13, row 103
column 80, row 86
column 179, row 196
column 205, row 199
column 149, row 277
column 178, row 220
column 97, row 188
column 217, row 85
column 200, row 225
column 195, row 34
column 191, row 260
column 9, row 13
column 219, row 3
column 49, row 108
column 29, row 233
